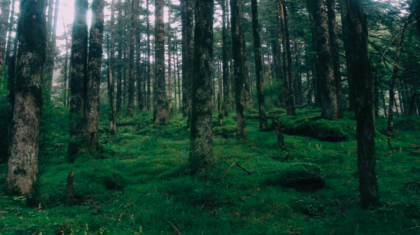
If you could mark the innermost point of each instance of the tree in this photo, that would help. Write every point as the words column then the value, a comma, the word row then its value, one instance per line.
column 131, row 82
column 49, row 63
column 79, row 53
column 239, row 73
column 4, row 17
column 287, row 60
column 335, row 53
column 225, row 59
column 325, row 61
column 187, row 56
column 365, row 117
column 22, row 174
column 94, row 76
column 169, row 60
column 258, row 65
column 111, row 83
column 201, row 154
column 159, row 112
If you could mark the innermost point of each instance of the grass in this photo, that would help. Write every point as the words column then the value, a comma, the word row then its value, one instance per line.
column 138, row 183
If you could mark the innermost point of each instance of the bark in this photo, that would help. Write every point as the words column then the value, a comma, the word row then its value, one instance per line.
column 225, row 59
column 9, row 36
column 65, row 69
column 280, row 138
column 359, row 58
column 120, row 51
column 345, row 33
column 138, row 66
column 159, row 94
column 169, row 61
column 187, row 54
column 335, row 52
column 201, row 148
column 22, row 174
column 239, row 72
column 394, row 78
column 111, row 83
column 325, row 59
column 258, row 65
column 94, row 75
column 49, row 62
column 78, row 68
column 70, row 188
column 4, row 18
column 287, row 61
column 148, row 95
column 131, row 81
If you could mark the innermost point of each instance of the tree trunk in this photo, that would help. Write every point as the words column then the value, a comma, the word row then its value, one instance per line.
column 120, row 51
column 94, row 75
column 325, row 59
column 239, row 72
column 78, row 68
column 159, row 113
column 148, row 95
column 49, row 62
column 66, row 77
column 201, row 148
column 287, row 61
column 4, row 18
column 111, row 83
column 335, row 52
column 9, row 36
column 225, row 59
column 22, row 174
column 394, row 78
column 138, row 66
column 345, row 33
column 131, row 82
column 170, row 110
column 359, row 58
column 187, row 54
column 258, row 65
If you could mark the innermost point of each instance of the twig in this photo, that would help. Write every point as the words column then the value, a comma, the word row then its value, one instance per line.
column 249, row 173
column 173, row 226
column 236, row 164
column 229, row 170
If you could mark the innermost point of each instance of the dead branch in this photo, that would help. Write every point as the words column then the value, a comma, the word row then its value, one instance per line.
column 173, row 226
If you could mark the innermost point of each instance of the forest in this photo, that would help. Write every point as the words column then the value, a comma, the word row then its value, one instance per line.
column 209, row 117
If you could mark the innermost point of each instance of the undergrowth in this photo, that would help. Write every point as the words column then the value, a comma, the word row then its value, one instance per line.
column 139, row 184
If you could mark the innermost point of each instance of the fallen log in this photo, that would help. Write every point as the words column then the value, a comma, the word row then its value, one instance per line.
column 129, row 123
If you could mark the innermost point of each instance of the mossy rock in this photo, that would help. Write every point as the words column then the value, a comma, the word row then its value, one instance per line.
column 323, row 130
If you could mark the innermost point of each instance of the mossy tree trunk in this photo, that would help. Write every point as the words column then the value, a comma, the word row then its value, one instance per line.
column 201, row 154
column 325, row 61
column 365, row 116
column 79, row 53
column 239, row 72
column 22, row 173
column 159, row 94
column 258, row 66
column 94, row 75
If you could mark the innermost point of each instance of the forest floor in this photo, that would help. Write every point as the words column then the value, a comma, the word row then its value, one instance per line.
column 139, row 184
